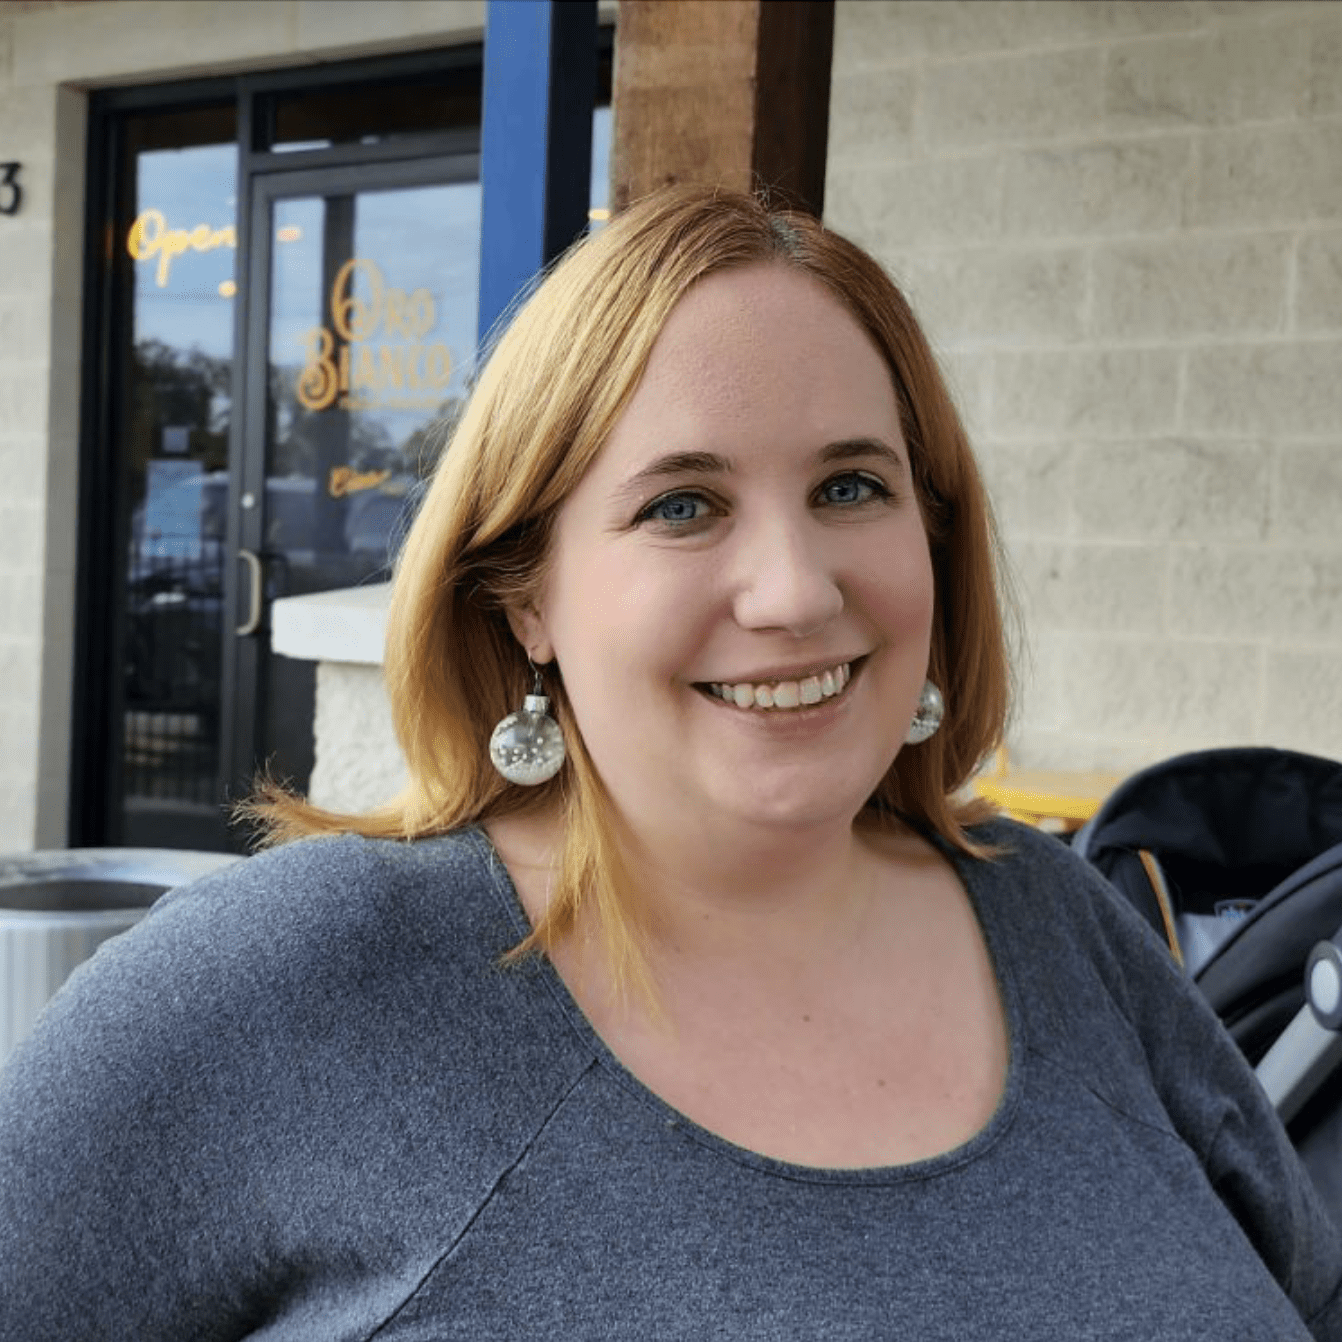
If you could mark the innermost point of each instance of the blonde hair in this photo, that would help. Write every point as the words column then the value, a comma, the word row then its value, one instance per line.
column 545, row 402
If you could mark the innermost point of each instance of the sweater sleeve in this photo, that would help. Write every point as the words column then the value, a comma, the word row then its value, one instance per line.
column 1219, row 1108
column 127, row 1201
column 183, row 1136
column 1257, row 1175
column 270, row 1107
column 1146, row 1022
column 1214, row 1097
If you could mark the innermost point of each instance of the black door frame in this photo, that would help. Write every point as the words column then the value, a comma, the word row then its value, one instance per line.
column 243, row 707
column 96, row 716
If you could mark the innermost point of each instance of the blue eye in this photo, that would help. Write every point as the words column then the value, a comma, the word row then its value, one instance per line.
column 676, row 509
column 852, row 488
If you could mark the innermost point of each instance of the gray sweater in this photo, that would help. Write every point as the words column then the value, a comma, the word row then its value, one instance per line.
column 302, row 1101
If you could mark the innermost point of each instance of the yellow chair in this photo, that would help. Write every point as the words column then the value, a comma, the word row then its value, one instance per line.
column 1057, row 798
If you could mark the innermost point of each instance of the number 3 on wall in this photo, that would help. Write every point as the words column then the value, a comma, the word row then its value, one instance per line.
column 11, row 193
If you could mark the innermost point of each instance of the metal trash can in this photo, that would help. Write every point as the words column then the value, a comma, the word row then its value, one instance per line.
column 58, row 906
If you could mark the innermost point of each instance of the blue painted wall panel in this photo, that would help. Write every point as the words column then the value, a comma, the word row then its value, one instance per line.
column 539, row 91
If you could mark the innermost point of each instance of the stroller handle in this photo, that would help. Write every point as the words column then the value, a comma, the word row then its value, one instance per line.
column 1310, row 1047
column 1323, row 983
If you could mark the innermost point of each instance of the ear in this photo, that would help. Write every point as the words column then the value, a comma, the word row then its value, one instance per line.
column 529, row 630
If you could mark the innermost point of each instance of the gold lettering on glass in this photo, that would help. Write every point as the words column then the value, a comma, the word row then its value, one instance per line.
column 150, row 237
column 346, row 480
column 361, row 375
column 317, row 383
column 354, row 317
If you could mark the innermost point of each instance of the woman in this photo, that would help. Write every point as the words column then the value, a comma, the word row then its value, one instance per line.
column 731, row 1022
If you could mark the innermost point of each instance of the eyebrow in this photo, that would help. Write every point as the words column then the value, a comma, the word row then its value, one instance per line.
column 848, row 448
column 710, row 463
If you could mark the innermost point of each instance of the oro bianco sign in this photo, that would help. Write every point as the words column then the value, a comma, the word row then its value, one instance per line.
column 375, row 352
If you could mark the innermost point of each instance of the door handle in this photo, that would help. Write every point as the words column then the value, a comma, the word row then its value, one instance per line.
column 253, row 621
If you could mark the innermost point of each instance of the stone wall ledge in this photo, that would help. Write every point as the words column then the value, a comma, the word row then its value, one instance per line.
column 348, row 625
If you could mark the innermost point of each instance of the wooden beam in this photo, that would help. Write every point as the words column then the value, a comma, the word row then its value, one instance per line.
column 731, row 93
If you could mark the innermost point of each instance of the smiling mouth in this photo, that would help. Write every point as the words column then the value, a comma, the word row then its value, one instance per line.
column 784, row 695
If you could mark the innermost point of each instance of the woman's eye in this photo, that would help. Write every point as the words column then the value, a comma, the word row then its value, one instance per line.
column 676, row 509
column 851, row 488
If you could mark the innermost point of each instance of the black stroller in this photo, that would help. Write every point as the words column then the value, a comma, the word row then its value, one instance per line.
column 1235, row 857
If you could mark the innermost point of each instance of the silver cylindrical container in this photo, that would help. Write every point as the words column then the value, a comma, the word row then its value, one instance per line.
column 57, row 907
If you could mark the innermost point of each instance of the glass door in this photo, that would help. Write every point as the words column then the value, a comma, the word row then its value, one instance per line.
column 280, row 314
column 361, row 328
column 162, row 559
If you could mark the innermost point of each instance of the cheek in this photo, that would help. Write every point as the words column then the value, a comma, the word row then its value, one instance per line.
column 623, row 626
column 905, row 618
column 897, row 587
column 922, row 592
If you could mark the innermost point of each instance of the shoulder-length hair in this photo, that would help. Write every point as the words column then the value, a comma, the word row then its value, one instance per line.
column 543, row 406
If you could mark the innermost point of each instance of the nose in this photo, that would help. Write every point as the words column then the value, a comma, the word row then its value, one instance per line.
column 785, row 579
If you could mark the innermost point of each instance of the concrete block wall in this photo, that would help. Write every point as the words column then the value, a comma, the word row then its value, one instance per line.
column 359, row 764
column 50, row 55
column 37, row 444
column 1121, row 221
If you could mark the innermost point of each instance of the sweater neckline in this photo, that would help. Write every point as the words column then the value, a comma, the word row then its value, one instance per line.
column 977, row 884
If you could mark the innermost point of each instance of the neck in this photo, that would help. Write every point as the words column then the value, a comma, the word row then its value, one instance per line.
column 741, row 889
column 737, row 894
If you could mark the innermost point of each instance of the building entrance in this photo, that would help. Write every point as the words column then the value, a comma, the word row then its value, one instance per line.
column 362, row 323
column 283, row 319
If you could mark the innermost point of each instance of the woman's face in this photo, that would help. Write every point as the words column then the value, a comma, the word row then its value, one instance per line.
column 739, row 598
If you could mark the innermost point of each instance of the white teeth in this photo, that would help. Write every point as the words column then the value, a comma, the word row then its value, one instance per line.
column 786, row 694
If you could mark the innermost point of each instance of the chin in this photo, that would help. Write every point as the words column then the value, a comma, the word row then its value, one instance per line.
column 802, row 805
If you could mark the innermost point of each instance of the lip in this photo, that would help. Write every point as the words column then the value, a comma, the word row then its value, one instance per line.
column 798, row 672
column 804, row 711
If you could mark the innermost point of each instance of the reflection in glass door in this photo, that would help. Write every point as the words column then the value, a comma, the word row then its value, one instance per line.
column 170, row 491
column 284, row 310
column 369, row 329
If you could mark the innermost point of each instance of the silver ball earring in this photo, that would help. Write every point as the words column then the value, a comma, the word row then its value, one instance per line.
column 527, row 747
column 931, row 709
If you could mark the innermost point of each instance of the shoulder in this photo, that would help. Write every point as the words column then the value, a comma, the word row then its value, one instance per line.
column 1034, row 884
column 296, row 976
column 330, row 893
column 313, row 937
column 341, row 870
column 311, row 1028
column 1046, row 906
column 1098, row 992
